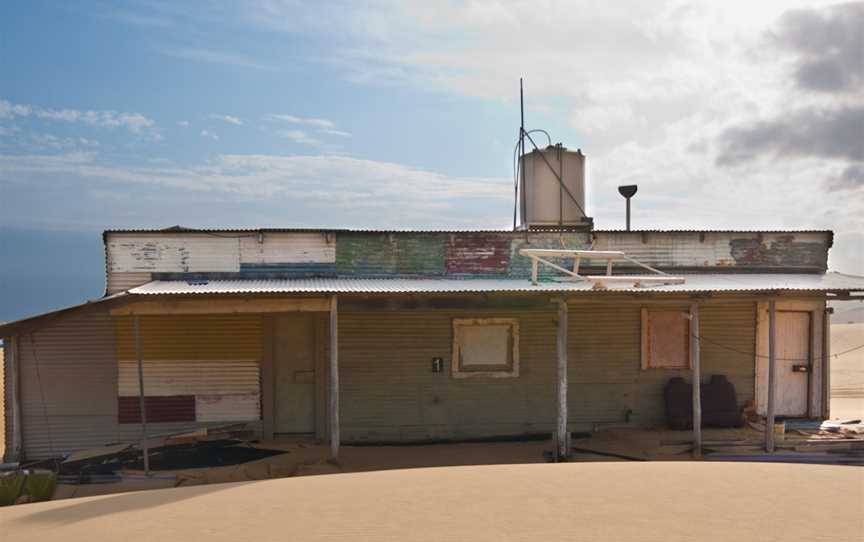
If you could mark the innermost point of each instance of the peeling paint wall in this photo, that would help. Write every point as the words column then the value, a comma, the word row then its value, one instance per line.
column 134, row 258
column 789, row 251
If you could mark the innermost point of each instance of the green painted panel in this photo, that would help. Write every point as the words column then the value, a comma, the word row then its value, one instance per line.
column 367, row 254
column 390, row 394
column 520, row 266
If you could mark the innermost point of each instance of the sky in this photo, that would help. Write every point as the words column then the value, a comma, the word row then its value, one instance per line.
column 269, row 113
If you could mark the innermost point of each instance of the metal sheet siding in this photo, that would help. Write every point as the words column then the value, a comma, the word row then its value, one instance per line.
column 120, row 282
column 604, row 348
column 172, row 253
column 753, row 250
column 4, row 438
column 192, row 337
column 390, row 394
column 189, row 377
column 288, row 248
column 68, row 386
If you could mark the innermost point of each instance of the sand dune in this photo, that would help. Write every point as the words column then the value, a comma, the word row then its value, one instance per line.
column 847, row 371
column 576, row 501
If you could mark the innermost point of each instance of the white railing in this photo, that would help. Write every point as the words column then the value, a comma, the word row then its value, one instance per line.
column 540, row 255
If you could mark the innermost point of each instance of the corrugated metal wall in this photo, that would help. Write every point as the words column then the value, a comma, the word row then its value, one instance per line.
column 604, row 349
column 213, row 359
column 68, row 386
column 69, row 376
column 3, row 437
column 120, row 282
column 390, row 394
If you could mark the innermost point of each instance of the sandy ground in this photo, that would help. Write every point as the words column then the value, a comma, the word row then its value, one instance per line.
column 575, row 501
column 847, row 372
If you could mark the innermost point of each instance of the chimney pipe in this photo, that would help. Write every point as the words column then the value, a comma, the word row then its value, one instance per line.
column 628, row 191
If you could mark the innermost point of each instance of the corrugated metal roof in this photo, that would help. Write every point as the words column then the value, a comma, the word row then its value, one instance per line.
column 181, row 229
column 829, row 282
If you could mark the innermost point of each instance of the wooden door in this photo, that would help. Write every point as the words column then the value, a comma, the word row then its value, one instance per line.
column 294, row 371
column 793, row 351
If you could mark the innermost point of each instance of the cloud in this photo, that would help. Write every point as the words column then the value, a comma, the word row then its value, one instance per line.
column 210, row 135
column 133, row 122
column 829, row 133
column 851, row 178
column 338, row 133
column 829, row 44
column 183, row 123
column 340, row 179
column 210, row 56
column 228, row 119
column 323, row 124
column 299, row 136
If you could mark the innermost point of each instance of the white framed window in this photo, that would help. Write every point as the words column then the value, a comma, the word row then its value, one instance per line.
column 485, row 347
column 665, row 338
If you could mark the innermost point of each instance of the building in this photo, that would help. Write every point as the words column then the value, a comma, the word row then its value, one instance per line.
column 405, row 336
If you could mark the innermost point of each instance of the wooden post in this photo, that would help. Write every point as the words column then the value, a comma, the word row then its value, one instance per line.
column 772, row 377
column 695, row 365
column 561, row 433
column 15, row 449
column 334, row 378
column 141, row 402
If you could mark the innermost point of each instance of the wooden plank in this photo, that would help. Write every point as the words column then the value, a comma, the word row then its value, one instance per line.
column 334, row 378
column 141, row 396
column 645, row 343
column 561, row 348
column 268, row 382
column 772, row 377
column 695, row 363
column 572, row 253
column 222, row 306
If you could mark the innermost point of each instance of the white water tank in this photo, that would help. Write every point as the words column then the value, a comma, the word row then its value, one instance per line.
column 544, row 201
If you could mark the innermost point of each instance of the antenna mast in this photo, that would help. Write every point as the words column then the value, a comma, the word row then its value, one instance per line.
column 522, row 208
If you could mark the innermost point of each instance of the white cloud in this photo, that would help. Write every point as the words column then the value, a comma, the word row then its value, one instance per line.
column 308, row 121
column 321, row 126
column 210, row 56
column 339, row 133
column 209, row 135
column 382, row 193
column 298, row 136
column 134, row 122
column 183, row 123
column 227, row 119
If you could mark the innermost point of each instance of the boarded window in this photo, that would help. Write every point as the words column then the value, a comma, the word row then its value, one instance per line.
column 485, row 347
column 665, row 339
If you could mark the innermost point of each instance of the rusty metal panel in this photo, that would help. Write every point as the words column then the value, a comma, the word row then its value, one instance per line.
column 120, row 282
column 477, row 254
column 168, row 408
column 172, row 253
column 800, row 251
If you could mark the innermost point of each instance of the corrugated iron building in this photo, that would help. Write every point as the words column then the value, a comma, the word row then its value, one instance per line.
column 232, row 326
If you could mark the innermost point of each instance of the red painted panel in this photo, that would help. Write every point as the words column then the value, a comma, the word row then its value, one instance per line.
column 169, row 408
column 477, row 253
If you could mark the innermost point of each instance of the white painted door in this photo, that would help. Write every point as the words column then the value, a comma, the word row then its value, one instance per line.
column 793, row 349
column 294, row 357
